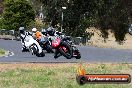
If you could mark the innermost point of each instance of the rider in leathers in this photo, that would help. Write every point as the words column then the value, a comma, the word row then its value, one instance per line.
column 52, row 33
column 23, row 34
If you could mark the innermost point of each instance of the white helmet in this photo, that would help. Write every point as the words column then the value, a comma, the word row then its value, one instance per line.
column 34, row 30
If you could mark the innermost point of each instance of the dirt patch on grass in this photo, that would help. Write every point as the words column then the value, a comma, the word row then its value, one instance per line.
column 33, row 66
column 63, row 65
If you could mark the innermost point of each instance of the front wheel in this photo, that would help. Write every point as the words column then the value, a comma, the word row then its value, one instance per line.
column 34, row 49
column 65, row 50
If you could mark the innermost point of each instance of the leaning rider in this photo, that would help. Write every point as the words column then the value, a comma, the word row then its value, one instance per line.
column 37, row 35
column 52, row 33
column 23, row 33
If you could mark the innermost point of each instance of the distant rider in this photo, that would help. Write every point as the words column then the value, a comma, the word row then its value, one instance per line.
column 23, row 34
column 37, row 35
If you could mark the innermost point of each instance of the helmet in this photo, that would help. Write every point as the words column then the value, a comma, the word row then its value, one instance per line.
column 21, row 30
column 43, row 31
column 51, row 31
column 34, row 30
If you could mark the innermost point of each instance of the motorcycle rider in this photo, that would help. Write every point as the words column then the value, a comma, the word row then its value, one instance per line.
column 37, row 35
column 51, row 32
column 29, row 43
column 44, row 32
column 23, row 34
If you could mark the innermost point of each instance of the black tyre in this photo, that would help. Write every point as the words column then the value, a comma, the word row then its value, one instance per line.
column 42, row 54
column 78, row 56
column 34, row 49
column 76, row 53
column 67, row 54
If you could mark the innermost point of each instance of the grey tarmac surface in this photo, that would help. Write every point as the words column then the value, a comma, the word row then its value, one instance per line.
column 89, row 54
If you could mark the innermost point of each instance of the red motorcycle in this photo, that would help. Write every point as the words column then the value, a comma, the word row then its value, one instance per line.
column 62, row 48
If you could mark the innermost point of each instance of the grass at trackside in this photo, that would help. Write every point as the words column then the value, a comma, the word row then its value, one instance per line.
column 56, row 75
column 2, row 52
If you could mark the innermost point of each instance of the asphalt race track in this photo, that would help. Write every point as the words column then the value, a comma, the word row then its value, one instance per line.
column 89, row 54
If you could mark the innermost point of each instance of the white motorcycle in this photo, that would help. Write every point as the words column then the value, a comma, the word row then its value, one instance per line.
column 31, row 44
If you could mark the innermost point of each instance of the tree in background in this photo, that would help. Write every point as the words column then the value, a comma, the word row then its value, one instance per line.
column 17, row 13
column 1, row 11
column 112, row 14
column 1, row 6
column 81, row 14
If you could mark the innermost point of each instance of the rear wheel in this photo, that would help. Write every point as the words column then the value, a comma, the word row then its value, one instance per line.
column 65, row 50
column 77, row 54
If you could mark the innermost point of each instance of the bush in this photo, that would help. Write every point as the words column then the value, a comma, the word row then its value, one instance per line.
column 17, row 13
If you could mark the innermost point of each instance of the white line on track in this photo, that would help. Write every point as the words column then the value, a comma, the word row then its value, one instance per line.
column 9, row 53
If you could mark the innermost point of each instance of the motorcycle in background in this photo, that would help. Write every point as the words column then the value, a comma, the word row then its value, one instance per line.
column 45, row 44
column 32, row 45
column 75, row 50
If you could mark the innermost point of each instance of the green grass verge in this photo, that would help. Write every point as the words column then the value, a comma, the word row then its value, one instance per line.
column 2, row 52
column 57, row 77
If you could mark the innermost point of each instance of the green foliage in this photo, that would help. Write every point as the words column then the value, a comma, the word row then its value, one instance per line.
column 2, row 52
column 1, row 7
column 79, row 15
column 17, row 13
column 113, row 14
column 74, row 18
